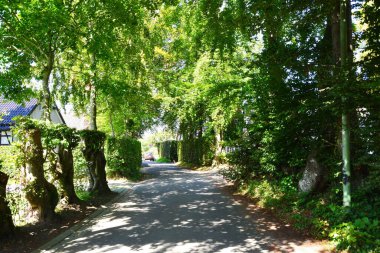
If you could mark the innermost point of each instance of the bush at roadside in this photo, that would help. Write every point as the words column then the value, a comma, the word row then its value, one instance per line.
column 123, row 157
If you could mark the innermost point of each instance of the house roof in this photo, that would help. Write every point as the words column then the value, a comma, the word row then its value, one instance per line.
column 10, row 109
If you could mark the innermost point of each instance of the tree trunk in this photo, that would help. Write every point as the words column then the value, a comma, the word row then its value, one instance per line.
column 93, row 125
column 346, row 157
column 66, row 174
column 111, row 120
column 102, row 186
column 41, row 194
column 91, row 175
column 111, row 125
column 46, row 105
column 6, row 222
column 335, row 30
column 96, row 163
column 218, row 146
column 93, row 114
column 91, row 168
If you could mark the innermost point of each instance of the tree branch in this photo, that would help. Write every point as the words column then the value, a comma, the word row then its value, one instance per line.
column 22, row 39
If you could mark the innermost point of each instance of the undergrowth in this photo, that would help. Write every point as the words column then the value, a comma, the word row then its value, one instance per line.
column 163, row 160
column 319, row 215
column 84, row 195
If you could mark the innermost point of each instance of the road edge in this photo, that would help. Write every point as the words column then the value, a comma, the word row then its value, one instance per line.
column 86, row 222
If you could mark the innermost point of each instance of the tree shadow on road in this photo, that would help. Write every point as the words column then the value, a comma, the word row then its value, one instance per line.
column 182, row 211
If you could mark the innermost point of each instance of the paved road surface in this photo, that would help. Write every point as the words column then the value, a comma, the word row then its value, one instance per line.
column 180, row 211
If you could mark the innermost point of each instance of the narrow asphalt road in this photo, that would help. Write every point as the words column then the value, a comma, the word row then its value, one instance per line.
column 180, row 211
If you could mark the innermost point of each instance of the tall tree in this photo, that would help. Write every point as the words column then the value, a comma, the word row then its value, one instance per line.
column 345, row 20
column 114, row 39
column 34, row 34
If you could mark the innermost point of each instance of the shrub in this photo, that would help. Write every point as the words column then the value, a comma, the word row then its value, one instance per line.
column 80, row 168
column 319, row 214
column 195, row 151
column 123, row 157
column 361, row 235
column 8, row 156
column 163, row 160
column 93, row 139
column 168, row 149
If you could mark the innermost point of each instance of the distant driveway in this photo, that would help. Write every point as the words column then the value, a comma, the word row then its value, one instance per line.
column 181, row 211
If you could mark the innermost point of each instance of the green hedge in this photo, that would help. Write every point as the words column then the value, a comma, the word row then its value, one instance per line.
column 123, row 157
column 8, row 156
column 195, row 151
column 168, row 149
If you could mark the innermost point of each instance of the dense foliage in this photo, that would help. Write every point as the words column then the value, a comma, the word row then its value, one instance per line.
column 168, row 150
column 263, row 85
column 41, row 194
column 46, row 158
column 194, row 152
column 265, row 82
column 123, row 157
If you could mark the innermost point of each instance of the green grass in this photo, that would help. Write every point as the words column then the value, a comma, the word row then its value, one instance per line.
column 84, row 195
column 163, row 160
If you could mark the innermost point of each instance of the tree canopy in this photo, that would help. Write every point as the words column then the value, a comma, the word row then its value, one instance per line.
column 277, row 81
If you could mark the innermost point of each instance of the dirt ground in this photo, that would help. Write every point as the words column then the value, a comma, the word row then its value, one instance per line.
column 31, row 237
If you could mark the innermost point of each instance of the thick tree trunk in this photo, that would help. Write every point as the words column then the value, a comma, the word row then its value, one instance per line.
column 91, row 175
column 102, row 186
column 66, row 174
column 96, row 163
column 6, row 222
column 46, row 105
column 41, row 194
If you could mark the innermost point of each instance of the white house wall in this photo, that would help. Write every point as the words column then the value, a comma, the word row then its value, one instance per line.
column 37, row 114
column 55, row 117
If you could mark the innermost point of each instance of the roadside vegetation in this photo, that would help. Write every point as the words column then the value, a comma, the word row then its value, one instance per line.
column 163, row 160
column 284, row 94
column 56, row 176
column 53, row 163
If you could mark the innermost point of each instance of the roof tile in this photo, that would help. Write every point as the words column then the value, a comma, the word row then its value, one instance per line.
column 10, row 109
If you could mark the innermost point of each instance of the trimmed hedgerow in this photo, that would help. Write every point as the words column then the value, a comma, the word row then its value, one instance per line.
column 123, row 157
column 168, row 150
column 194, row 151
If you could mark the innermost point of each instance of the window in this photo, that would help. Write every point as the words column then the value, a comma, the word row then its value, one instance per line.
column 6, row 138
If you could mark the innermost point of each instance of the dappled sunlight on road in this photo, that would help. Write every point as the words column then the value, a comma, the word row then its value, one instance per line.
column 179, row 211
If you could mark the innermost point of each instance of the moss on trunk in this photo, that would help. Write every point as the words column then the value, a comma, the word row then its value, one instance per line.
column 66, row 175
column 96, row 162
column 41, row 194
